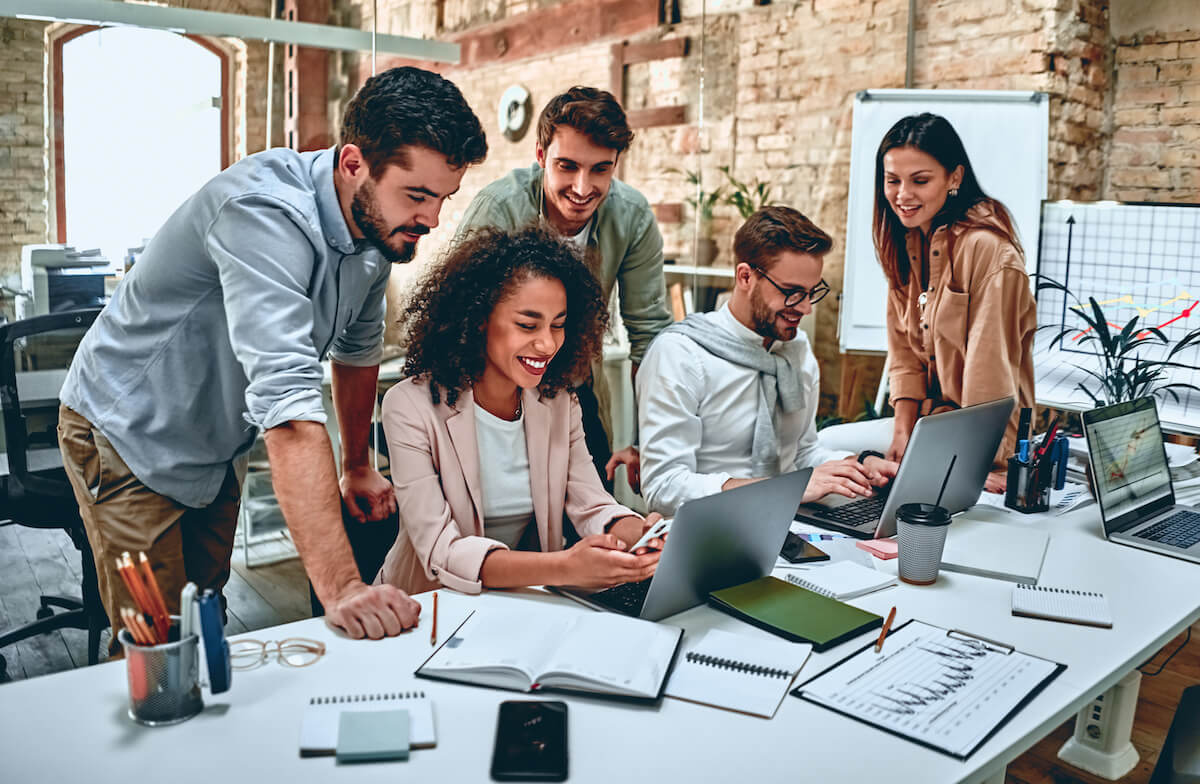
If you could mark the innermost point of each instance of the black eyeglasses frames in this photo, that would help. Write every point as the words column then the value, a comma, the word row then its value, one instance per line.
column 793, row 297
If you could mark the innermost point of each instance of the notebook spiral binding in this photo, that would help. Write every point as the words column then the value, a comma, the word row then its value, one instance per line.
column 398, row 695
column 1047, row 589
column 737, row 666
column 805, row 584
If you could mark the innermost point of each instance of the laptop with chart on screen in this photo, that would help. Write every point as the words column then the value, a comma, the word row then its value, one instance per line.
column 1133, row 484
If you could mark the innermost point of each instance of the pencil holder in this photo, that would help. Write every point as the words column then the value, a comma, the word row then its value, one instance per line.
column 164, row 680
column 1024, row 492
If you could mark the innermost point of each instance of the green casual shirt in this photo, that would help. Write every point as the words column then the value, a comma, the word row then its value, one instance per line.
column 623, row 233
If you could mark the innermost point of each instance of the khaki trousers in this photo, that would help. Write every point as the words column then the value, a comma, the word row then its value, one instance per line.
column 123, row 515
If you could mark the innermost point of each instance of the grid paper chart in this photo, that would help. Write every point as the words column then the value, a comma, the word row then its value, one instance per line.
column 1138, row 260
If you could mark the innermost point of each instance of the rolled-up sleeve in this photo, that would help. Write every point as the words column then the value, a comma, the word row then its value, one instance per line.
column 670, row 386
column 445, row 551
column 270, row 315
column 643, row 288
column 361, row 343
column 906, row 370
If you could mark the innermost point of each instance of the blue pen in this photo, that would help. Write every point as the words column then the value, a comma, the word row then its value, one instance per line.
column 1023, row 450
column 1063, row 450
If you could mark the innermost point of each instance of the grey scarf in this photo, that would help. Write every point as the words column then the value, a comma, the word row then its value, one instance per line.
column 778, row 380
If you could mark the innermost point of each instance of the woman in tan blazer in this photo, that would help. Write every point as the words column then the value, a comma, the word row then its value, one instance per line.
column 960, row 315
column 485, row 437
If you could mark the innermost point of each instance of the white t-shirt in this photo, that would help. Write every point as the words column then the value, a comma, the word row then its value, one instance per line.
column 503, row 466
column 580, row 240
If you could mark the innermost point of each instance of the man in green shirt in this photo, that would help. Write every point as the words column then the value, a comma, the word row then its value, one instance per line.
column 580, row 136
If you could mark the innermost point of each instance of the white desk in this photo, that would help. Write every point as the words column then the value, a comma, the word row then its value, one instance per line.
column 251, row 732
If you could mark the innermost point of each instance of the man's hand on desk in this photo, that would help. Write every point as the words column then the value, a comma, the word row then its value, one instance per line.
column 367, row 495
column 374, row 611
column 848, row 477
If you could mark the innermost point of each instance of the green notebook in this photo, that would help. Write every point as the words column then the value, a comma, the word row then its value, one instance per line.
column 794, row 613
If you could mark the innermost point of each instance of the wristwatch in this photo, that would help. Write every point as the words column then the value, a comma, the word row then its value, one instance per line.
column 863, row 455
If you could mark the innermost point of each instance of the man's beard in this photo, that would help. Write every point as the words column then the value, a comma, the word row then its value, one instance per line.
column 765, row 319
column 366, row 213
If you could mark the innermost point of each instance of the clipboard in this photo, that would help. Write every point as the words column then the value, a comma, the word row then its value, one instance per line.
column 1036, row 672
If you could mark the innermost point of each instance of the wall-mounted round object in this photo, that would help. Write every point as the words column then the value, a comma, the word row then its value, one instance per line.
column 515, row 112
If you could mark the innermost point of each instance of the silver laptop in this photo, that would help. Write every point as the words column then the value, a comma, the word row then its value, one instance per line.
column 718, row 541
column 953, row 450
column 1133, row 483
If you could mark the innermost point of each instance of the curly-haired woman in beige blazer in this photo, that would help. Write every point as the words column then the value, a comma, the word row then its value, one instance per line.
column 484, row 435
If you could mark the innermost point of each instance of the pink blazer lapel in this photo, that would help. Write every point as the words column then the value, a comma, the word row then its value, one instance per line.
column 461, row 427
column 538, row 422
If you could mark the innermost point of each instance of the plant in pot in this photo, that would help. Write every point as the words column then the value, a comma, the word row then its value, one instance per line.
column 748, row 197
column 1132, row 361
column 702, row 203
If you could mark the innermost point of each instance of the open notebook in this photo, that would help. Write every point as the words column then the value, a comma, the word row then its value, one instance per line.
column 557, row 648
column 737, row 672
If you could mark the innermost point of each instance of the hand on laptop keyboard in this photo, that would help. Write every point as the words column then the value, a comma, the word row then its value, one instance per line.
column 848, row 477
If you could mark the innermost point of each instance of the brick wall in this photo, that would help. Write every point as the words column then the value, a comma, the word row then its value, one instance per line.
column 23, row 185
column 1155, row 153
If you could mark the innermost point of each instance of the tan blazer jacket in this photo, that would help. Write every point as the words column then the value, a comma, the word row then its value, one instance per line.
column 435, row 468
column 976, row 327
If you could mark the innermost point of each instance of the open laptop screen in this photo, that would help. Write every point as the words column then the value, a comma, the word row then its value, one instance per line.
column 1129, row 462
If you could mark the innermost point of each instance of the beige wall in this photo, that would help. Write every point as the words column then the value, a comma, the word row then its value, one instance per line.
column 24, row 216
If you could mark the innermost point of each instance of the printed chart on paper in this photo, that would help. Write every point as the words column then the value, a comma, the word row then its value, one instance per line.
column 1135, row 260
column 947, row 690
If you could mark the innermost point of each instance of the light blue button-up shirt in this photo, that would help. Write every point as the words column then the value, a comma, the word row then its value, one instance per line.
column 218, row 330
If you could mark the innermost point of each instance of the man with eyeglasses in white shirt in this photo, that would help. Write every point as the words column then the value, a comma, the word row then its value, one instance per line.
column 730, row 397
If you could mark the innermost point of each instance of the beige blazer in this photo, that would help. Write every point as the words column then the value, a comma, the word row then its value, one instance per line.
column 435, row 468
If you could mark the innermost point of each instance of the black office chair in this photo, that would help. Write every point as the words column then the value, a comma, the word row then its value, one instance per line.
column 36, row 492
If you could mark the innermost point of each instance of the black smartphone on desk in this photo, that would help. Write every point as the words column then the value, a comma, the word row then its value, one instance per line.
column 531, row 741
column 797, row 549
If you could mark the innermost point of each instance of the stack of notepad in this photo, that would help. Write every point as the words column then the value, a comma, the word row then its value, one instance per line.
column 1061, row 604
column 842, row 580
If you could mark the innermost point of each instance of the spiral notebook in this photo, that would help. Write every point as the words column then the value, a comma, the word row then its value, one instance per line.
column 737, row 672
column 1061, row 604
column 322, row 716
column 841, row 580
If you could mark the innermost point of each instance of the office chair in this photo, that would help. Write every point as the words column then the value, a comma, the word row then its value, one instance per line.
column 36, row 492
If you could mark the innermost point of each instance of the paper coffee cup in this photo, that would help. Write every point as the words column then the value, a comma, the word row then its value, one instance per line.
column 921, row 533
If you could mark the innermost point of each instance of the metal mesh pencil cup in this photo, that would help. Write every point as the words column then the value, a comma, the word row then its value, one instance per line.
column 164, row 680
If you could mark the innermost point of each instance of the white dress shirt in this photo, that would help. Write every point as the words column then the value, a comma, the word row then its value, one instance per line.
column 696, row 415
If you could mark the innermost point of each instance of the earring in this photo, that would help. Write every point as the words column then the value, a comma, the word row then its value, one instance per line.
column 953, row 192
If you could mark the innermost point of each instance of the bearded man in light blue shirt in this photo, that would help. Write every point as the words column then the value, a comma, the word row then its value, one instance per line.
column 218, row 333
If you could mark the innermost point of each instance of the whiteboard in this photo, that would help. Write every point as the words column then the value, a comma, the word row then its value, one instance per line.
column 1137, row 260
column 1006, row 134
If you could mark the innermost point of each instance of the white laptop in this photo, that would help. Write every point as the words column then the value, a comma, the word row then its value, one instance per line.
column 1133, row 483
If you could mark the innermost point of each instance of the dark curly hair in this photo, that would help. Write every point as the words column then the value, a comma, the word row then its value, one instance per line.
column 407, row 106
column 446, row 318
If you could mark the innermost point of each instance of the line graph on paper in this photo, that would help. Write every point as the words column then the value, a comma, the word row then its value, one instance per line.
column 1136, row 260
column 949, row 691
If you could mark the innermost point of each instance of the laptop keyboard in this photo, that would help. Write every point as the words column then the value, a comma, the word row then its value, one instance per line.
column 626, row 598
column 1181, row 529
column 855, row 514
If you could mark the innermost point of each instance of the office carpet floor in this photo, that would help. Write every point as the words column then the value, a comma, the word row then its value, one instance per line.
column 35, row 562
